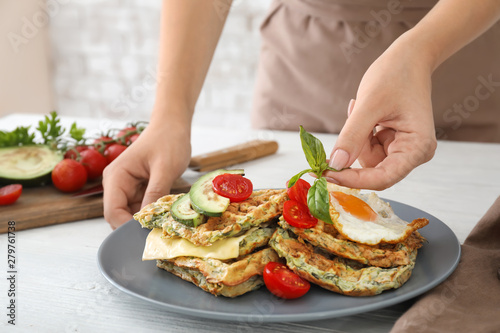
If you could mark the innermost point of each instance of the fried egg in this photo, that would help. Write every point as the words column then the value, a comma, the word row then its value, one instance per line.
column 367, row 219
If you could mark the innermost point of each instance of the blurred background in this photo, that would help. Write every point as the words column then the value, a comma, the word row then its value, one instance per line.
column 98, row 58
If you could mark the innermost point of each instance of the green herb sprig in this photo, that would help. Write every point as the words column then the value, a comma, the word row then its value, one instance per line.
column 317, row 196
column 77, row 134
column 18, row 137
column 50, row 130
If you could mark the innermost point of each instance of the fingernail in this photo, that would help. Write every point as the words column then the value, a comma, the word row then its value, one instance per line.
column 339, row 160
column 331, row 180
column 350, row 107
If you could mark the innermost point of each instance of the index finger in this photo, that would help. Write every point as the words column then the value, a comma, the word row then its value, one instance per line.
column 116, row 210
column 391, row 170
column 117, row 205
column 118, row 217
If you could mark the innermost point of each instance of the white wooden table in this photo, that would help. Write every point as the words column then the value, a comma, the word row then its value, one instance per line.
column 60, row 289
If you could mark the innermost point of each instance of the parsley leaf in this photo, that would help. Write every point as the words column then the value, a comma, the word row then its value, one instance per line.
column 49, row 132
column 18, row 137
column 50, row 129
column 77, row 133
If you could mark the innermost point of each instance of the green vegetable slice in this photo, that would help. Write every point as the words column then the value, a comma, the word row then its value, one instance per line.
column 27, row 165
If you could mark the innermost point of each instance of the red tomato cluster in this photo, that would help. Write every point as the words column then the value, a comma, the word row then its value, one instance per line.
column 87, row 162
column 295, row 210
column 128, row 135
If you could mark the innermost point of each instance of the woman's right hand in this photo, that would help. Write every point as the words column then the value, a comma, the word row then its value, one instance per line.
column 145, row 171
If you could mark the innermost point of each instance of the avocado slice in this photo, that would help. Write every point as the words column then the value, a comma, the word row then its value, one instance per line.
column 203, row 198
column 28, row 165
column 182, row 212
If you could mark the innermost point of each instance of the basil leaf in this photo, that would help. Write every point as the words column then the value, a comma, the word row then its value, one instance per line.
column 313, row 149
column 294, row 179
column 318, row 196
column 318, row 201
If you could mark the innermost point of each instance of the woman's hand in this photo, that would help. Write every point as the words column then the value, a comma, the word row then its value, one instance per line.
column 145, row 171
column 390, row 127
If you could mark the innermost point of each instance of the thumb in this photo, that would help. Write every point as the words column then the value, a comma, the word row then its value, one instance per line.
column 159, row 185
column 352, row 138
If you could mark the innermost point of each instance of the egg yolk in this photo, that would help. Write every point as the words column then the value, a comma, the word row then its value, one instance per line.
column 355, row 206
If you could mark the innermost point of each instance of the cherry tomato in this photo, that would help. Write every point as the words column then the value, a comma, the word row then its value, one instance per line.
column 134, row 137
column 74, row 152
column 298, row 215
column 235, row 187
column 284, row 283
column 113, row 152
column 126, row 134
column 298, row 191
column 69, row 175
column 10, row 193
column 94, row 162
column 99, row 142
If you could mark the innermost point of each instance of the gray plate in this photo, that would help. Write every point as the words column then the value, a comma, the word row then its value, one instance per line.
column 120, row 262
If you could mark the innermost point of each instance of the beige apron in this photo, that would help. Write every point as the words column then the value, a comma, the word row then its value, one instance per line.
column 315, row 52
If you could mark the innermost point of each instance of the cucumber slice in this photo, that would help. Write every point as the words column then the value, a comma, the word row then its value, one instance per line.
column 182, row 212
column 28, row 165
column 203, row 198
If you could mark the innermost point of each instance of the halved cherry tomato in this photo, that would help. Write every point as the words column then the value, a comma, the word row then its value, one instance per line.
column 74, row 152
column 298, row 191
column 235, row 187
column 69, row 175
column 126, row 134
column 94, row 162
column 10, row 193
column 298, row 215
column 113, row 151
column 284, row 283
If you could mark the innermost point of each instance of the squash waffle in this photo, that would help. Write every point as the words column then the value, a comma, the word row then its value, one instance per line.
column 344, row 276
column 328, row 238
column 229, row 278
column 153, row 215
column 260, row 208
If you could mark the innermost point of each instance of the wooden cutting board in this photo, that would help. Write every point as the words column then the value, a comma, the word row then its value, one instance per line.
column 42, row 206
